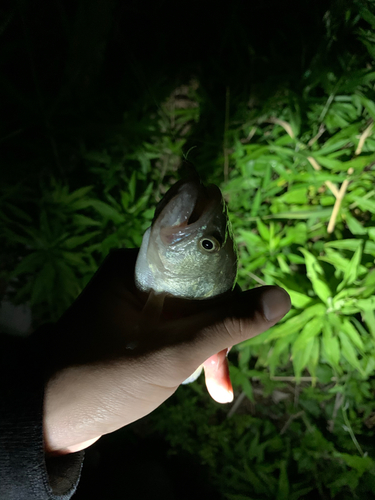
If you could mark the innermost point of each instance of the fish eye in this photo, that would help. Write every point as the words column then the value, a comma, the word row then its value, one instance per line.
column 209, row 244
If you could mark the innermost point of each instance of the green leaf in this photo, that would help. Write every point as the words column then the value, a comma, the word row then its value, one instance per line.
column 30, row 264
column 348, row 480
column 247, row 388
column 369, row 318
column 279, row 348
column 331, row 347
column 107, row 211
column 243, row 356
column 295, row 324
column 369, row 105
column 256, row 203
column 297, row 196
column 314, row 213
column 295, row 234
column 16, row 238
column 353, row 334
column 250, row 238
column 18, row 212
column 349, row 352
column 324, row 161
column 359, row 163
column 78, row 193
column 74, row 258
column 296, row 259
column 348, row 244
column 316, row 276
column 76, row 241
column 366, row 304
column 365, row 204
column 336, row 259
column 314, row 357
column 310, row 330
column 322, row 290
column 263, row 230
column 369, row 281
column 331, row 146
column 283, row 486
column 348, row 293
column 298, row 299
column 301, row 357
column 81, row 204
column 352, row 270
column 283, row 265
column 360, row 464
column 82, row 220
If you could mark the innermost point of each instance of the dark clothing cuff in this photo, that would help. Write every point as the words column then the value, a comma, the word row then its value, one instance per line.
column 25, row 473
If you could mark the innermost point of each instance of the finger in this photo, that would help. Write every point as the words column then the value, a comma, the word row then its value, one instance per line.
column 241, row 317
column 245, row 315
column 217, row 376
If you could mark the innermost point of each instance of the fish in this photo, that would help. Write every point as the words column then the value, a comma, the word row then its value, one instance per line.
column 189, row 250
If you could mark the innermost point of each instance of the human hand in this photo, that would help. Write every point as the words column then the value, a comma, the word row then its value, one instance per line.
column 112, row 366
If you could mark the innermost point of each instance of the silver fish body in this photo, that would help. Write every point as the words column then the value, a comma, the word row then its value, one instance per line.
column 188, row 251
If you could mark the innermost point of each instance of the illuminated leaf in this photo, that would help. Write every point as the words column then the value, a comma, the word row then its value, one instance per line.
column 349, row 352
column 352, row 270
column 353, row 334
column 331, row 347
column 316, row 276
column 263, row 230
column 296, row 323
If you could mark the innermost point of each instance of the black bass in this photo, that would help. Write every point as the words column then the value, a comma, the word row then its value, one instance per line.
column 188, row 251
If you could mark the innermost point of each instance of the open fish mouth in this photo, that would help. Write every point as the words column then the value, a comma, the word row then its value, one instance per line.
column 185, row 208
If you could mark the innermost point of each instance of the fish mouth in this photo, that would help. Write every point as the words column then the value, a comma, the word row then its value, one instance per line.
column 184, row 209
column 204, row 198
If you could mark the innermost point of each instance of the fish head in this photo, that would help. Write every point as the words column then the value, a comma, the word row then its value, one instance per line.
column 189, row 250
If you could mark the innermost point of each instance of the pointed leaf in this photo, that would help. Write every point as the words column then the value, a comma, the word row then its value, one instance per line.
column 263, row 230
column 296, row 323
column 78, row 193
column 82, row 220
column 30, row 264
column 301, row 357
column 310, row 330
column 298, row 299
column 331, row 347
column 352, row 270
column 107, row 211
column 349, row 353
column 353, row 334
column 316, row 276
column 314, row 357
column 75, row 241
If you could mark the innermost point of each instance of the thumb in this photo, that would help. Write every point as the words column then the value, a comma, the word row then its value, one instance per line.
column 243, row 315
column 248, row 315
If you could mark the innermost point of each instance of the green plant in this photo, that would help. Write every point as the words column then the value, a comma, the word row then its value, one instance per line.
column 298, row 164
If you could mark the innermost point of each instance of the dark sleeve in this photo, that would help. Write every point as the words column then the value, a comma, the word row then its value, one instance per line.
column 25, row 473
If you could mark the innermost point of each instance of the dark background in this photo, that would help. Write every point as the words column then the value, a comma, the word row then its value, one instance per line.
column 76, row 72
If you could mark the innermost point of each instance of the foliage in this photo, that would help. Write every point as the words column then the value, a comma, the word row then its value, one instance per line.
column 299, row 177
column 312, row 211
column 285, row 456
column 61, row 236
